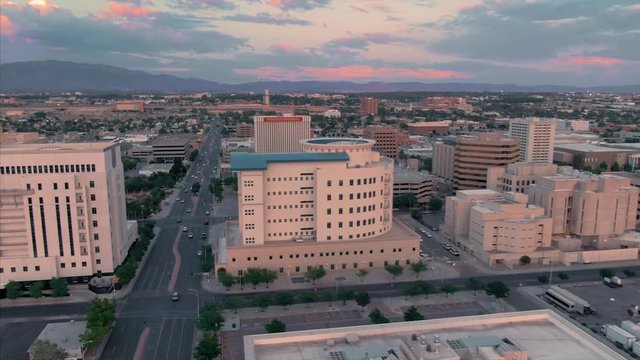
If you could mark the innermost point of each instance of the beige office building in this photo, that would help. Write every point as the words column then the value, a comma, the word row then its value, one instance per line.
column 537, row 138
column 281, row 134
column 498, row 227
column 518, row 176
column 593, row 207
column 330, row 205
column 474, row 154
column 62, row 211
column 386, row 138
column 444, row 157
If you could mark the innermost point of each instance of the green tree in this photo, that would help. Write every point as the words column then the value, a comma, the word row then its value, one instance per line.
column 46, row 350
column 284, row 299
column 14, row 289
column 411, row 290
column 35, row 289
column 101, row 318
column 418, row 267
column 563, row 276
column 435, row 203
column 525, row 260
column 227, row 280
column 344, row 295
column 629, row 273
column 362, row 298
column 262, row 302
column 544, row 279
column 125, row 272
column 194, row 155
column 268, row 276
column 177, row 170
column 210, row 319
column 329, row 296
column 607, row 273
column 314, row 273
column 426, row 288
column 253, row 276
column 234, row 303
column 377, row 318
column 394, row 269
column 58, row 287
column 448, row 289
column 412, row 314
column 309, row 297
column 498, row 289
column 275, row 326
column 129, row 163
column 578, row 162
column 407, row 200
column 615, row 166
column 208, row 347
column 627, row 167
column 362, row 273
column 474, row 284
column 603, row 166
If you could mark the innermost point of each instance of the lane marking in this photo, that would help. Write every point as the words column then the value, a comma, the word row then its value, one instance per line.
column 176, row 264
column 142, row 341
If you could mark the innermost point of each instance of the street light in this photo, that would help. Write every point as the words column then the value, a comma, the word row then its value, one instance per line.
column 197, row 302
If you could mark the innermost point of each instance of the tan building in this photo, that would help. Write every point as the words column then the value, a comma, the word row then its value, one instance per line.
column 634, row 178
column 171, row 147
column 386, row 138
column 20, row 137
column 369, row 106
column 407, row 181
column 444, row 153
column 537, row 138
column 593, row 207
column 429, row 128
column 518, row 176
column 281, row 134
column 330, row 205
column 474, row 154
column 133, row 105
column 591, row 155
column 572, row 125
column 62, row 211
column 498, row 227
column 244, row 130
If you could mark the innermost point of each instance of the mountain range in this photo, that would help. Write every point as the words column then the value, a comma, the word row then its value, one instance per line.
column 63, row 76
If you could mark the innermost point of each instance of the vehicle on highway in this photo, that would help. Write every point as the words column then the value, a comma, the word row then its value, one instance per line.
column 184, row 229
column 189, row 211
column 179, row 221
column 199, row 252
column 204, row 235
column 190, row 235
column 427, row 234
column 206, row 221
column 447, row 247
column 218, row 201
column 177, row 199
column 207, row 212
column 175, row 296
column 454, row 252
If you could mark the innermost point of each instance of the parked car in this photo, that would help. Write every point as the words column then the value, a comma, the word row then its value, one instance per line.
column 447, row 247
column 189, row 211
column 454, row 252
column 175, row 296
column 184, row 229
column 204, row 235
column 206, row 221
column 179, row 221
column 190, row 235
column 207, row 212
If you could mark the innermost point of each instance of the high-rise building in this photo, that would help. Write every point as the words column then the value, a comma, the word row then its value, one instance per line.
column 474, row 154
column 171, row 147
column 369, row 106
column 328, row 206
column 386, row 138
column 244, row 130
column 518, row 176
column 62, row 211
column 537, row 138
column 266, row 98
column 281, row 134
column 443, row 158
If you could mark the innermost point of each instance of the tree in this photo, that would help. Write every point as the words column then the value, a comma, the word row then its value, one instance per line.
column 615, row 166
column 329, row 296
column 412, row 314
column 308, row 297
column 253, row 276
column 394, row 270
column 262, row 301
column 497, row 289
column 101, row 317
column 603, row 166
column 345, row 294
column 195, row 187
column 58, row 287
column 194, row 155
column 362, row 273
column 406, row 200
column 227, row 280
column 35, row 289
column 563, row 276
column 629, row 273
column 474, row 284
column 14, row 290
column 525, row 260
column 627, row 167
column 448, row 289
column 46, row 350
column 269, row 276
column 412, row 290
column 377, row 318
column 418, row 267
column 177, row 170
column 275, row 326
column 362, row 298
column 208, row 348
column 578, row 162
column 284, row 299
column 129, row 163
column 544, row 279
column 435, row 203
column 607, row 273
column 426, row 288
column 314, row 273
column 234, row 303
column 210, row 319
column 125, row 272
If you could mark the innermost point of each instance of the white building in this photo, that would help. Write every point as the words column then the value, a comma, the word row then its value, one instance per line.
column 537, row 138
column 332, row 113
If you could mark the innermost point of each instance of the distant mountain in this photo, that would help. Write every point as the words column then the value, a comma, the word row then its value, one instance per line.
column 64, row 76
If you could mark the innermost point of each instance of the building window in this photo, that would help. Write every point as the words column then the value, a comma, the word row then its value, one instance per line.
column 84, row 264
column 73, row 264
column 66, row 186
column 328, row 183
column 97, row 249
column 55, row 186
column 98, row 261
column 328, row 211
column 63, row 265
column 328, row 196
column 95, row 223
column 340, row 183
column 93, row 197
column 96, row 236
column 94, row 210
column 39, row 186
column 25, row 268
column 37, row 267
column 92, row 184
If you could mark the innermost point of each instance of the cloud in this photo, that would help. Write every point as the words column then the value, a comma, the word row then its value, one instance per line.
column 44, row 6
column 287, row 5
column 354, row 72
column 126, row 11
column 364, row 40
column 284, row 48
column 265, row 18
column 6, row 27
column 590, row 61
column 553, row 23
column 165, row 69
column 471, row 7
column 202, row 4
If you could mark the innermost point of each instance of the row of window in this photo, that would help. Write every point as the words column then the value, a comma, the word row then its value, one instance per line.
column 291, row 178
column 92, row 184
column 302, row 192
column 47, row 169
column 279, row 207
column 358, row 196
column 341, row 237
column 363, row 181
column 370, row 221
column 290, row 220
column 292, row 233
column 37, row 267
column 297, row 269
column 323, row 254
column 358, row 209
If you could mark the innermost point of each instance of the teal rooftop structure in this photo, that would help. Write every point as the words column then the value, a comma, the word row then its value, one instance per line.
column 253, row 161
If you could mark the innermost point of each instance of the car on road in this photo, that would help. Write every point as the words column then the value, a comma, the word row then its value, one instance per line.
column 179, row 221
column 184, row 229
column 454, row 252
column 447, row 247
column 218, row 201
column 175, row 296
column 427, row 234
column 199, row 252
column 182, row 201
column 204, row 235
column 177, row 199
column 206, row 221
column 207, row 212
column 190, row 235
column 189, row 211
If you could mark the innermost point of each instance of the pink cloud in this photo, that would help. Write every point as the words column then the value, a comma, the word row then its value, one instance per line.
column 285, row 47
column 6, row 27
column 590, row 61
column 127, row 11
column 471, row 7
column 350, row 73
column 169, row 69
column 44, row 6
column 635, row 7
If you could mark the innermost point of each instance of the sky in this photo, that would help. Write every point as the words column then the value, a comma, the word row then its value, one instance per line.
column 524, row 42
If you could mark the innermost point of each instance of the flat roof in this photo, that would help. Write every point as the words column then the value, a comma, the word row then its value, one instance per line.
column 55, row 147
column 65, row 334
column 430, row 123
column 541, row 333
column 325, row 141
column 242, row 161
column 405, row 175
column 590, row 148
column 172, row 140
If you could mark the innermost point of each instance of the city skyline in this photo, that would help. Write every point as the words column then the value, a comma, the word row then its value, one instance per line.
column 523, row 42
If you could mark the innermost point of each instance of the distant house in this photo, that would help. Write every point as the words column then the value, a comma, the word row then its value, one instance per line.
column 66, row 336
